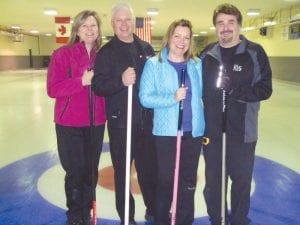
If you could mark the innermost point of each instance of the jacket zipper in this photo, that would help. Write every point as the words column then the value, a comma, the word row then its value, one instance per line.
column 65, row 107
column 93, row 100
column 69, row 98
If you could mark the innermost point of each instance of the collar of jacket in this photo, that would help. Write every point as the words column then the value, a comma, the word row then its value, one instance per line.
column 164, row 57
column 136, row 40
column 81, row 44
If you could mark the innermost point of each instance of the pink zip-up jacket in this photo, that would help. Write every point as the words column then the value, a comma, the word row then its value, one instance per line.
column 64, row 83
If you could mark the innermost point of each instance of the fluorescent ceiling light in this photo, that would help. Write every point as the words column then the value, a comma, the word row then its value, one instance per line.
column 270, row 23
column 16, row 27
column 152, row 12
column 248, row 28
column 295, row 17
column 34, row 31
column 50, row 12
column 253, row 12
column 152, row 22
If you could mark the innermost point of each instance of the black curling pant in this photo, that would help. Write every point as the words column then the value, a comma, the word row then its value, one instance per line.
column 239, row 168
column 144, row 155
column 189, row 159
column 76, row 150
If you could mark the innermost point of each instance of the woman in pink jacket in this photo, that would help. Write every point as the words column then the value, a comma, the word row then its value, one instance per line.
column 79, row 115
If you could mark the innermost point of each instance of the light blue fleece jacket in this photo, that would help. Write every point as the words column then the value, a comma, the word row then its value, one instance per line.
column 158, row 85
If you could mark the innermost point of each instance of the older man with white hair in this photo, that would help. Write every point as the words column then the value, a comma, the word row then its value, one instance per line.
column 119, row 64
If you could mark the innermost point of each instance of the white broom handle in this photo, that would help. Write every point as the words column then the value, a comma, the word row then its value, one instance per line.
column 128, row 155
column 223, row 185
column 223, row 197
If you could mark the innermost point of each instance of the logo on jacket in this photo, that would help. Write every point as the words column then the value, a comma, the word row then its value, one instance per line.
column 237, row 67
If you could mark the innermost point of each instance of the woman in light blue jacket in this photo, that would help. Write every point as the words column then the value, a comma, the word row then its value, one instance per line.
column 160, row 89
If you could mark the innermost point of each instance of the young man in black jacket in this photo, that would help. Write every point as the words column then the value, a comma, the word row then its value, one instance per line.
column 119, row 64
column 245, row 79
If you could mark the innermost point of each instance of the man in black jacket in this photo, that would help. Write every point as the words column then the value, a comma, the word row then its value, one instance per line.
column 119, row 64
column 245, row 79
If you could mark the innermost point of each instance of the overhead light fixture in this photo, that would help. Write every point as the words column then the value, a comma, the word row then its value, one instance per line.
column 248, row 28
column 295, row 18
column 15, row 27
column 152, row 12
column 269, row 23
column 34, row 31
column 253, row 12
column 50, row 12
column 48, row 34
column 152, row 22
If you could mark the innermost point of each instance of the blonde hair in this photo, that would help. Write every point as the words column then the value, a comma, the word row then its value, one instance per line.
column 165, row 43
column 78, row 21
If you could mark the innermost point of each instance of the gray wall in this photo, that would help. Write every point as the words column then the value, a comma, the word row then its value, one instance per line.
column 286, row 68
column 23, row 62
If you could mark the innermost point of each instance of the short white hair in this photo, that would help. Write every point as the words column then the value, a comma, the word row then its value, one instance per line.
column 121, row 5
